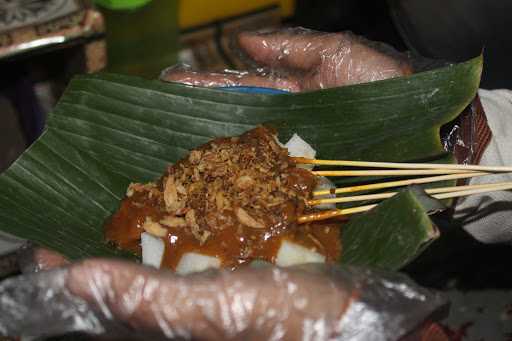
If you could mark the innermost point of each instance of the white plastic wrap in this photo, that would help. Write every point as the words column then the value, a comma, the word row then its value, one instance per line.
column 313, row 302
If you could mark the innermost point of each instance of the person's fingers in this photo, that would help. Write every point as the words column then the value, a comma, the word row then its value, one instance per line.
column 313, row 301
column 151, row 302
column 313, row 60
column 325, row 59
column 121, row 291
column 206, row 79
column 291, row 48
column 359, row 63
column 47, row 259
column 210, row 79
column 34, row 259
column 215, row 305
column 368, row 64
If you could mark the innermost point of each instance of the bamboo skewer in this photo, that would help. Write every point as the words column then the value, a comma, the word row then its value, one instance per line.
column 399, row 183
column 400, row 165
column 317, row 216
column 324, row 215
column 444, row 172
column 506, row 187
column 400, row 172
column 440, row 190
column 441, row 193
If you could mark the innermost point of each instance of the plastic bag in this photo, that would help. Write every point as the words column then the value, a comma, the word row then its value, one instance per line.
column 298, row 59
column 125, row 299
column 468, row 135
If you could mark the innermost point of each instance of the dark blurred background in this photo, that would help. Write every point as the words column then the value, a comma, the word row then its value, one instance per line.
column 450, row 30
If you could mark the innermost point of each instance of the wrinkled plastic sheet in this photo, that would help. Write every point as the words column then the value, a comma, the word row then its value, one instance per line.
column 459, row 136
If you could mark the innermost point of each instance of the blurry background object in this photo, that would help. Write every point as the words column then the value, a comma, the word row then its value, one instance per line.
column 142, row 35
column 213, row 11
column 462, row 29
column 206, row 35
column 451, row 30
column 34, row 25
column 42, row 45
column 368, row 18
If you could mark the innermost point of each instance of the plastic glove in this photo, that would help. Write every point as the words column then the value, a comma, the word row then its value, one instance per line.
column 299, row 59
column 126, row 299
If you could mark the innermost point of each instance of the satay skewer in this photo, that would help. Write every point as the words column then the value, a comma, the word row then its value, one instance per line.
column 386, row 172
column 470, row 190
column 403, row 165
column 398, row 183
column 482, row 188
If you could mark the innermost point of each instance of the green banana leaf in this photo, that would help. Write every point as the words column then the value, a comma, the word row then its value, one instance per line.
column 108, row 130
column 406, row 215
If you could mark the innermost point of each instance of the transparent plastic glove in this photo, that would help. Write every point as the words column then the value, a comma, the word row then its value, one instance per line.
column 126, row 299
column 299, row 59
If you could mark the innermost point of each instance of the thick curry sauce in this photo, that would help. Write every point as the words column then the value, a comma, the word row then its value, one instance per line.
column 233, row 198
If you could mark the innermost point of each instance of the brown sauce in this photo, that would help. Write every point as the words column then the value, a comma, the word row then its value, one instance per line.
column 234, row 198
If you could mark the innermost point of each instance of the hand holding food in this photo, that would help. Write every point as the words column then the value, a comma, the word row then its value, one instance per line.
column 255, row 301
column 298, row 59
column 229, row 204
column 128, row 300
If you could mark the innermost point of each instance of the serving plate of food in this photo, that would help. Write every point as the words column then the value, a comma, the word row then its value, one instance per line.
column 188, row 178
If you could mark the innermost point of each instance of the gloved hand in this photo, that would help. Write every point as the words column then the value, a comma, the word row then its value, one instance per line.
column 128, row 300
column 298, row 59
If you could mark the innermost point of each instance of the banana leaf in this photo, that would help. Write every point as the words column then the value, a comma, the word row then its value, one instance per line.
column 108, row 130
column 407, row 216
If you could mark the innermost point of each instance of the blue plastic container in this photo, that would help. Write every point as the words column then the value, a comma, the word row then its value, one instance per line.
column 254, row 90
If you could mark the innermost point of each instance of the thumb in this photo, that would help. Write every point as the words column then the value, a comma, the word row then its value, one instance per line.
column 325, row 59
